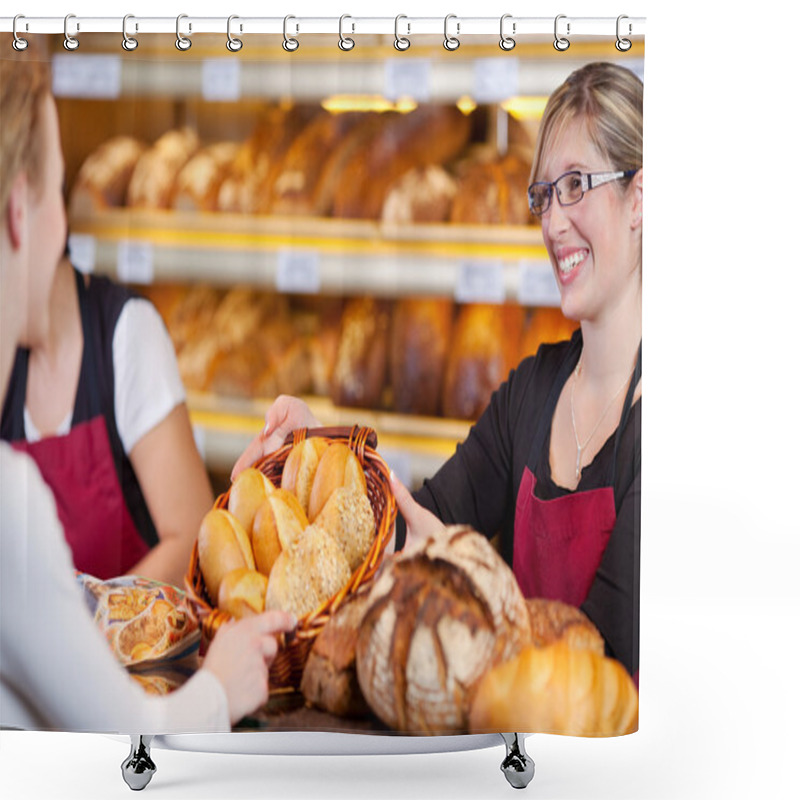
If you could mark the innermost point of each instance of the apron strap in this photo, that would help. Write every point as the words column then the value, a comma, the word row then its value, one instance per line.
column 626, row 410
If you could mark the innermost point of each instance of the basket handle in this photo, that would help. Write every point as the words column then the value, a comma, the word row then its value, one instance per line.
column 357, row 436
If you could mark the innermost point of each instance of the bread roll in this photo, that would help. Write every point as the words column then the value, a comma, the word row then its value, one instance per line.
column 198, row 182
column 242, row 593
column 557, row 689
column 153, row 180
column 348, row 517
column 329, row 678
column 102, row 181
column 306, row 575
column 277, row 525
column 552, row 620
column 360, row 370
column 248, row 492
column 222, row 545
column 301, row 466
column 338, row 466
column 421, row 332
column 485, row 347
column 440, row 614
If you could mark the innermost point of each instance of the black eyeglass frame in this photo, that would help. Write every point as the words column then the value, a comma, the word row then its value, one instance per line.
column 589, row 181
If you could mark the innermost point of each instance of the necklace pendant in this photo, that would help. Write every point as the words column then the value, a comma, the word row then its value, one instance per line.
column 578, row 465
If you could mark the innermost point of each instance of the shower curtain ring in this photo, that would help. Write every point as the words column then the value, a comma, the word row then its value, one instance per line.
column 401, row 43
column 233, row 44
column 345, row 42
column 19, row 43
column 128, row 42
column 623, row 45
column 181, row 42
column 70, row 42
column 507, row 42
column 451, row 42
column 289, row 44
column 561, row 44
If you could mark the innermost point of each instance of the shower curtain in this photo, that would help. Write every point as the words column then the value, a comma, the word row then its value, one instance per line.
column 346, row 219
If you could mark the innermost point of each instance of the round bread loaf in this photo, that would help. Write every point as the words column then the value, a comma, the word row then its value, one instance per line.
column 552, row 620
column 557, row 689
column 440, row 614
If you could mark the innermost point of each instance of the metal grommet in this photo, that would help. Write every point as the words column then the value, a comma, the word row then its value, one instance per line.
column 623, row 45
column 506, row 42
column 18, row 44
column 70, row 42
column 451, row 42
column 345, row 42
column 181, row 42
column 233, row 44
column 560, row 44
column 289, row 44
column 400, row 42
column 128, row 42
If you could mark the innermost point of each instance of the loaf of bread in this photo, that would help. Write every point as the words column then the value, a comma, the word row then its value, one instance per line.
column 102, row 181
column 439, row 615
column 222, row 545
column 552, row 620
column 556, row 689
column 248, row 493
column 360, row 370
column 485, row 347
column 421, row 332
column 243, row 592
column 329, row 678
column 545, row 325
column 431, row 134
column 153, row 180
column 348, row 517
column 300, row 468
column 192, row 315
column 338, row 467
column 308, row 574
column 423, row 194
column 198, row 182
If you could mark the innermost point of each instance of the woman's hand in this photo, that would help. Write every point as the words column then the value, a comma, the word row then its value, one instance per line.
column 285, row 415
column 420, row 523
column 240, row 656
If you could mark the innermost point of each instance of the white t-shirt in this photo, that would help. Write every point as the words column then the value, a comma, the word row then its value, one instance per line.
column 56, row 670
column 147, row 383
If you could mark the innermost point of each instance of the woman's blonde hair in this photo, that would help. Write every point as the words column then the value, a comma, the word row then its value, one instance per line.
column 607, row 98
column 24, row 83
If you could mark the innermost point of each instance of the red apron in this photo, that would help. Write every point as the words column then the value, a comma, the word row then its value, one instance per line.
column 79, row 469
column 558, row 543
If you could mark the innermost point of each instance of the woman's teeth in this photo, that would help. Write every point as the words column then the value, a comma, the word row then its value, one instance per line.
column 566, row 265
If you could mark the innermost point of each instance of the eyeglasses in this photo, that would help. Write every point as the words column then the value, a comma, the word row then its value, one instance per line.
column 570, row 188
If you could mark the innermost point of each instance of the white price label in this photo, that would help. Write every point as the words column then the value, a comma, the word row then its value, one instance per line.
column 90, row 75
column 537, row 284
column 480, row 282
column 135, row 262
column 82, row 251
column 495, row 79
column 222, row 79
column 407, row 77
column 298, row 272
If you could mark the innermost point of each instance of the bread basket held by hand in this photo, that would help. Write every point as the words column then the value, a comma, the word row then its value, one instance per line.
column 287, row 669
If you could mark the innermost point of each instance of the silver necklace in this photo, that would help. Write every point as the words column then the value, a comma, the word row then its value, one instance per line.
column 580, row 446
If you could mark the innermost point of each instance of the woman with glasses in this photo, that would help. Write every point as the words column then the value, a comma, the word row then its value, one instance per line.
column 56, row 669
column 554, row 464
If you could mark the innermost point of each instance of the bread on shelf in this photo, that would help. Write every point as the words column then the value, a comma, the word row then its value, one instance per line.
column 198, row 182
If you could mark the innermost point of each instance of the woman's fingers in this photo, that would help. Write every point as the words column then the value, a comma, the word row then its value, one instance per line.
column 419, row 521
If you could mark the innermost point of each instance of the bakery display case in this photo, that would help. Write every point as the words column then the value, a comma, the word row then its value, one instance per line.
column 349, row 227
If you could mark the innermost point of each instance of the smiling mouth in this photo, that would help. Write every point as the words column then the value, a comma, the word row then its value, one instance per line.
column 568, row 264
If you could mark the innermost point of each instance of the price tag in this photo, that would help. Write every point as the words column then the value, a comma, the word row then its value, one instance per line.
column 407, row 77
column 90, row 75
column 537, row 284
column 222, row 79
column 298, row 272
column 495, row 79
column 480, row 282
column 135, row 262
column 82, row 251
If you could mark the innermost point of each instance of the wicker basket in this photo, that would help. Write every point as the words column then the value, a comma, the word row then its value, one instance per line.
column 287, row 669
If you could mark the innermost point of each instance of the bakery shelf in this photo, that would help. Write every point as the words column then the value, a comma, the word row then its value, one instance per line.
column 415, row 447
column 326, row 256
